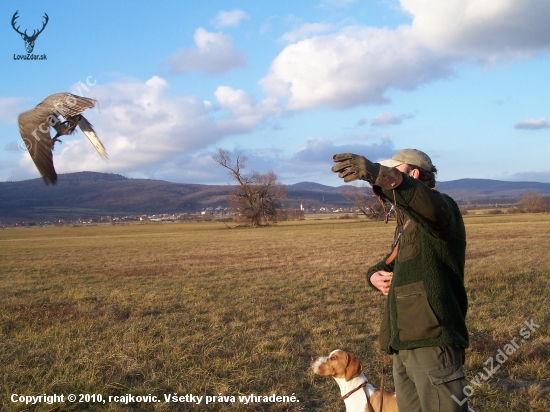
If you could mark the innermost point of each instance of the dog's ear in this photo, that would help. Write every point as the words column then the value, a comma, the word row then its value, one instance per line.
column 353, row 367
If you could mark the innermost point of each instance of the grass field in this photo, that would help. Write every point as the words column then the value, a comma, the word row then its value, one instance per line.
column 165, row 309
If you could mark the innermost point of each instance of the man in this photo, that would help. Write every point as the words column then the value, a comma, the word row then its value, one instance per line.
column 423, row 277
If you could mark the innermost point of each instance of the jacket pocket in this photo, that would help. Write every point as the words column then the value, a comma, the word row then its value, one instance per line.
column 408, row 243
column 415, row 318
column 443, row 376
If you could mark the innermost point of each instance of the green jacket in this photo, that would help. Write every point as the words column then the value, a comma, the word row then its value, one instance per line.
column 427, row 301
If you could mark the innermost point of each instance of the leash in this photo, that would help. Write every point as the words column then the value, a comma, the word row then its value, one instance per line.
column 364, row 384
column 395, row 245
column 382, row 383
column 347, row 395
column 371, row 408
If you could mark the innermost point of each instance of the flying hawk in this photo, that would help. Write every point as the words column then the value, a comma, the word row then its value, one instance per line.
column 34, row 126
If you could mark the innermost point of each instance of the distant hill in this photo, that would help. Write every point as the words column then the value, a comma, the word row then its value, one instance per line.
column 490, row 190
column 314, row 187
column 91, row 194
column 88, row 194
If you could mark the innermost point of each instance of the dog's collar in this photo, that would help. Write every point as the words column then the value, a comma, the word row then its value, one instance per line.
column 347, row 395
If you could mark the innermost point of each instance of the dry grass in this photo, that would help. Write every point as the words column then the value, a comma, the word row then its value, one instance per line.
column 201, row 309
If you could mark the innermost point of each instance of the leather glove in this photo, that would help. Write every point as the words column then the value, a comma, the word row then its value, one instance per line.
column 352, row 167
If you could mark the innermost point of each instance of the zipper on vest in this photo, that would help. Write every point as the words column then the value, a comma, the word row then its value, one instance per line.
column 410, row 295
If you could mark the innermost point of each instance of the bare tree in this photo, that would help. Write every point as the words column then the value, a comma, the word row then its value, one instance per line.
column 364, row 199
column 534, row 202
column 257, row 196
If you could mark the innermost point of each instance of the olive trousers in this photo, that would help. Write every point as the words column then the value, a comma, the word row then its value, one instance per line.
column 427, row 378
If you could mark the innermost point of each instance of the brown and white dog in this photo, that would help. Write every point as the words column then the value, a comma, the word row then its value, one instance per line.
column 358, row 394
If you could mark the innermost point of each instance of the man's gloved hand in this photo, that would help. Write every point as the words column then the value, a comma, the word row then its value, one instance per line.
column 351, row 167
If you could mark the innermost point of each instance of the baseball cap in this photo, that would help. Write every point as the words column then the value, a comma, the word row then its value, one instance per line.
column 412, row 157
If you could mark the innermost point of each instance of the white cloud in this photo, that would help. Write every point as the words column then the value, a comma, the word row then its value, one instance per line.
column 322, row 150
column 214, row 55
column 484, row 30
column 245, row 111
column 313, row 161
column 148, row 132
column 359, row 65
column 15, row 146
column 229, row 18
column 387, row 118
column 355, row 66
column 305, row 31
column 198, row 168
column 139, row 124
column 533, row 124
column 10, row 108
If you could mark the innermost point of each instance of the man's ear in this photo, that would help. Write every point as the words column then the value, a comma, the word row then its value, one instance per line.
column 415, row 173
column 353, row 367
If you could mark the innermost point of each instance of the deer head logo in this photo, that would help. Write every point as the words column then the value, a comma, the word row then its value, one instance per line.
column 29, row 40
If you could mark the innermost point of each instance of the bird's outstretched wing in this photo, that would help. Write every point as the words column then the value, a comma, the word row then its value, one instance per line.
column 89, row 131
column 38, row 142
column 67, row 104
column 34, row 126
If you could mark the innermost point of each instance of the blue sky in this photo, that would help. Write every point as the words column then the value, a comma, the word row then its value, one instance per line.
column 286, row 84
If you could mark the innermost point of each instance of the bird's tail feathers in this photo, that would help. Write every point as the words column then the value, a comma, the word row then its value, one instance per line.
column 89, row 131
